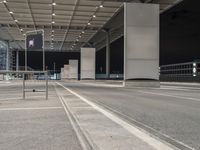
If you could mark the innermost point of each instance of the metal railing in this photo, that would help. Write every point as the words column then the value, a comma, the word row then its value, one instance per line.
column 186, row 72
column 25, row 75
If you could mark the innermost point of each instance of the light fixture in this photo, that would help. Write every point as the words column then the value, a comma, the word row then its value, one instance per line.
column 16, row 20
column 21, row 30
column 53, row 14
column 79, row 36
column 89, row 23
column 54, row 4
column 24, row 34
column 83, row 32
column 53, row 22
column 77, row 40
column 94, row 16
column 4, row 1
column 52, row 31
column 11, row 12
column 101, row 6
column 52, row 35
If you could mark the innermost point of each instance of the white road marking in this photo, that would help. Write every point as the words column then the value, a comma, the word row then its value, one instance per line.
column 72, row 122
column 168, row 95
column 102, row 85
column 158, row 145
column 29, row 108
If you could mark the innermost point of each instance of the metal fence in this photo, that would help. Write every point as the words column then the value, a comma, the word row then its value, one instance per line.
column 184, row 72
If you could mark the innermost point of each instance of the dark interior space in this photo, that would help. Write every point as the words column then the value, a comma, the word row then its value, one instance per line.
column 180, row 33
column 35, row 59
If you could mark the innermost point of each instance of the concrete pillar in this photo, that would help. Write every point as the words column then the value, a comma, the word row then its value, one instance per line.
column 141, row 43
column 17, row 60
column 73, row 69
column 107, row 54
column 88, row 56
column 7, row 57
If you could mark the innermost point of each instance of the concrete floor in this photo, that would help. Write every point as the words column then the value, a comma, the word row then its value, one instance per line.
column 34, row 123
column 170, row 113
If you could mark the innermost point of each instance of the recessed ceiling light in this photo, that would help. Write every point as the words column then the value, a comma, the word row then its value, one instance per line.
column 83, row 32
column 21, row 30
column 53, row 22
column 94, row 16
column 16, row 20
column 101, row 6
column 77, row 40
column 11, row 12
column 24, row 34
column 54, row 4
column 79, row 36
column 89, row 23
column 4, row 1
column 52, row 31
column 53, row 14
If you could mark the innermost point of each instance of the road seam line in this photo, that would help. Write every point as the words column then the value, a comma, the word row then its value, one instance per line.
column 75, row 125
column 168, row 95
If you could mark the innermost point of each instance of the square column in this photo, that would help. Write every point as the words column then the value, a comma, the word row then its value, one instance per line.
column 88, row 57
column 66, row 72
column 73, row 69
column 141, row 41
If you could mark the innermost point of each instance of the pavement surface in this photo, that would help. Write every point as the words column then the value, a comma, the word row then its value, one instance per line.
column 100, row 116
column 171, row 112
column 34, row 123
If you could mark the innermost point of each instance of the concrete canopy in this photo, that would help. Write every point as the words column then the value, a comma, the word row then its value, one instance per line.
column 68, row 24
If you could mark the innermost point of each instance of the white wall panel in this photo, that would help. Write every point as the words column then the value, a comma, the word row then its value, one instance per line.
column 141, row 41
column 88, row 56
column 73, row 69
column 66, row 72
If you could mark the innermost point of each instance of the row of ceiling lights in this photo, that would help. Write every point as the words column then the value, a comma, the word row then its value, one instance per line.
column 53, row 22
column 52, row 32
column 89, row 23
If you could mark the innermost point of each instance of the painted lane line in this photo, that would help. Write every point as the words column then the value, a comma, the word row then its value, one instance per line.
column 168, row 95
column 158, row 145
column 29, row 108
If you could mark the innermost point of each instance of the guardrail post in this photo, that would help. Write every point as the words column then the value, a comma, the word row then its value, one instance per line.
column 23, row 87
column 46, row 77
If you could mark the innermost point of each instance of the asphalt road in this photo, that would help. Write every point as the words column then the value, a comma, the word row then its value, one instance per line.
column 171, row 113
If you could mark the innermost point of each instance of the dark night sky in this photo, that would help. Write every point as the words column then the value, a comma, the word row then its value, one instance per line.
column 179, row 42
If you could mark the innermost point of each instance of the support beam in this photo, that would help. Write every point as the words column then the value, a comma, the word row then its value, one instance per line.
column 107, row 52
column 17, row 60
column 7, row 57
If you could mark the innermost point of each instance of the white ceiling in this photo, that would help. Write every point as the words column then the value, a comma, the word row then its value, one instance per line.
column 70, row 30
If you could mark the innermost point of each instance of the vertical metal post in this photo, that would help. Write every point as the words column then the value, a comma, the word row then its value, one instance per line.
column 7, row 57
column 46, row 77
column 25, row 53
column 17, row 60
column 23, row 87
column 107, row 54
column 43, row 51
